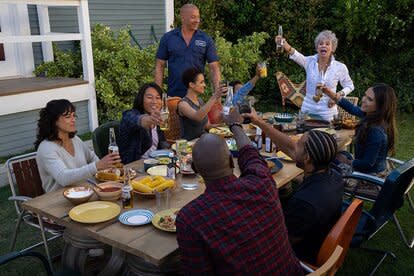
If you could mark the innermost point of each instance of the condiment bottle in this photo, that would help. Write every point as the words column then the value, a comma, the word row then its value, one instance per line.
column 127, row 196
column 171, row 166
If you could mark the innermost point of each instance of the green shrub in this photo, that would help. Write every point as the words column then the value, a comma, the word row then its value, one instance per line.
column 121, row 67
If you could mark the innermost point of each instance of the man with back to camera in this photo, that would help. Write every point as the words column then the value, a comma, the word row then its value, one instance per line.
column 236, row 226
column 316, row 205
column 184, row 48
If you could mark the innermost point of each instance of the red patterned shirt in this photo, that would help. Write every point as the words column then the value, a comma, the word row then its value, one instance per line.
column 237, row 225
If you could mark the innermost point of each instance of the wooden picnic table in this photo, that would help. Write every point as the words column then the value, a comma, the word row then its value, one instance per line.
column 146, row 241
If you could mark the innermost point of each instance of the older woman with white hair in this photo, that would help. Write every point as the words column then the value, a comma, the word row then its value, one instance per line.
column 322, row 70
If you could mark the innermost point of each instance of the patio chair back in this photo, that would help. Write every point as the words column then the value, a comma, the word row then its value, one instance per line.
column 100, row 137
column 23, row 174
column 341, row 234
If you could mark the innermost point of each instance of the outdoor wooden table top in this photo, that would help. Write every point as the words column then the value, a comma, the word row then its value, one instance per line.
column 146, row 241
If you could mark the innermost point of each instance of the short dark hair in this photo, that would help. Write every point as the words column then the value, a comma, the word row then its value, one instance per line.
column 139, row 98
column 321, row 147
column 190, row 75
column 235, row 82
column 48, row 116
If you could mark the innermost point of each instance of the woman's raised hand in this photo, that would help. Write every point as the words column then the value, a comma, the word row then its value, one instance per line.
column 108, row 161
column 222, row 91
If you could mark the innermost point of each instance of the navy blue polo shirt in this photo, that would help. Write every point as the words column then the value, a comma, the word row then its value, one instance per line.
column 180, row 57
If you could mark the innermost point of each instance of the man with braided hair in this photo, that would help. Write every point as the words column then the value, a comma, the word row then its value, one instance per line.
column 316, row 204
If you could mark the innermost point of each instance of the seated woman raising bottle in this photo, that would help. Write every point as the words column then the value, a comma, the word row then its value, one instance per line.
column 139, row 130
column 62, row 157
column 375, row 132
column 192, row 109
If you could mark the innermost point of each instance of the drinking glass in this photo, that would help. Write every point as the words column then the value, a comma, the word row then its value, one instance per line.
column 262, row 69
column 163, row 199
column 300, row 122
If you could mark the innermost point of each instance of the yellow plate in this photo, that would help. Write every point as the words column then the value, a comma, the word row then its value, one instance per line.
column 95, row 211
column 159, row 215
column 283, row 156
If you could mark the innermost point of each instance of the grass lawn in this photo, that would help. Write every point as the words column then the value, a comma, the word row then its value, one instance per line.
column 358, row 262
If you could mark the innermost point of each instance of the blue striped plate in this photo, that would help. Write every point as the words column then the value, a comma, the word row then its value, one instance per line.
column 136, row 217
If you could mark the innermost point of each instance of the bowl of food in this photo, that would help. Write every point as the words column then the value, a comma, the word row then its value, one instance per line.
column 146, row 186
column 109, row 191
column 284, row 117
column 114, row 174
column 78, row 195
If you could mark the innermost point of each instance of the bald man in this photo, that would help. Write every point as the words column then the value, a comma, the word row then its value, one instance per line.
column 316, row 205
column 183, row 48
column 236, row 226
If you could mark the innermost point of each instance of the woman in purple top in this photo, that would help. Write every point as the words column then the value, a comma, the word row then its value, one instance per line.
column 375, row 133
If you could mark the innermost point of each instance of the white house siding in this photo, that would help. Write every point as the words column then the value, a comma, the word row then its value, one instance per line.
column 18, row 131
column 140, row 15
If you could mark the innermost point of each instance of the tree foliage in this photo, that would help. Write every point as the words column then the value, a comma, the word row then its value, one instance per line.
column 376, row 37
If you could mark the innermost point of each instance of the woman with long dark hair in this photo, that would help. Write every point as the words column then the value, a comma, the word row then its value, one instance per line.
column 192, row 109
column 139, row 131
column 62, row 157
column 375, row 133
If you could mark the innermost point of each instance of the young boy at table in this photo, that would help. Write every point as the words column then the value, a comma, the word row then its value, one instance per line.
column 316, row 205
column 236, row 226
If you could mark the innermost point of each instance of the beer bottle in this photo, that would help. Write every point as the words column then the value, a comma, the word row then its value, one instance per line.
column 279, row 42
column 165, row 113
column 228, row 103
column 113, row 147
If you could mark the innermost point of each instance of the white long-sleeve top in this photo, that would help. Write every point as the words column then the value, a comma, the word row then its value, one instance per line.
column 57, row 168
column 336, row 72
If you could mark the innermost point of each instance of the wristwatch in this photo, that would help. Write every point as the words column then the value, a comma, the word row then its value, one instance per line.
column 235, row 124
column 341, row 93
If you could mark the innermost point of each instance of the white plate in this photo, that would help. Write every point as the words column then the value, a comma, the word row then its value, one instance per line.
column 136, row 217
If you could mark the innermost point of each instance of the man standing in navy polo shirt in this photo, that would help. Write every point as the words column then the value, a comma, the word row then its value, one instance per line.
column 184, row 48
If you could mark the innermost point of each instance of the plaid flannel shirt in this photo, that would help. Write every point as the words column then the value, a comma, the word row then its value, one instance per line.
column 237, row 225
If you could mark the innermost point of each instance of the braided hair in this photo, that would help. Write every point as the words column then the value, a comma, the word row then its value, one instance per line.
column 321, row 147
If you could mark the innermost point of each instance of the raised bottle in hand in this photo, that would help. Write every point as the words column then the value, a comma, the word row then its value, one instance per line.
column 165, row 113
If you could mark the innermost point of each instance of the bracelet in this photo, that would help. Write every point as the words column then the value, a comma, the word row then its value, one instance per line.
column 235, row 124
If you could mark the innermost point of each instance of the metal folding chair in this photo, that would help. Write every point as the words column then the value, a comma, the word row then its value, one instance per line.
column 25, row 184
column 409, row 183
column 389, row 200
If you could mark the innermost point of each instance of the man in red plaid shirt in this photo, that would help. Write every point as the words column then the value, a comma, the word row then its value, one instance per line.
column 237, row 225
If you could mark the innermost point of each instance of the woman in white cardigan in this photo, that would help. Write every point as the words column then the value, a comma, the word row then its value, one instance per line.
column 321, row 69
column 62, row 157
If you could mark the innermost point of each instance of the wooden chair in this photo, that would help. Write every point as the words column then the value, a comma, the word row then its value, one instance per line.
column 340, row 235
column 329, row 268
column 23, row 174
column 173, row 133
